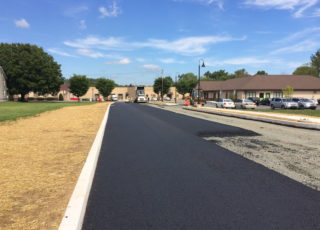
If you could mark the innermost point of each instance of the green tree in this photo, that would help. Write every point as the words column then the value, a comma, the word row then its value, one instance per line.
column 305, row 70
column 315, row 62
column 29, row 69
column 105, row 86
column 241, row 73
column 79, row 85
column 167, row 83
column 186, row 83
column 288, row 91
column 261, row 72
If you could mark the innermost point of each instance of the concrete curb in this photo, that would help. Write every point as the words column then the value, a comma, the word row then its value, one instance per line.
column 74, row 214
column 268, row 120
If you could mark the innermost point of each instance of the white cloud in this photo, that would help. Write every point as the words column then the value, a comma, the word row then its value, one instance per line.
column 22, row 23
column 74, row 11
column 239, row 61
column 59, row 52
column 185, row 46
column 90, row 53
column 83, row 25
column 110, row 43
column 303, row 46
column 140, row 60
column 298, row 6
column 152, row 68
column 171, row 61
column 311, row 32
column 189, row 45
column 219, row 3
column 123, row 61
column 316, row 13
column 111, row 11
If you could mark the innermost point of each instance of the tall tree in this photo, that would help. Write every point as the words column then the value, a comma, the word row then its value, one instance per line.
column 186, row 83
column 29, row 69
column 79, row 85
column 315, row 62
column 167, row 83
column 241, row 73
column 306, row 70
column 105, row 86
column 261, row 72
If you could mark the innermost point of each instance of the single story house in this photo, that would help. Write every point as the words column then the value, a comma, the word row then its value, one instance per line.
column 262, row 86
column 3, row 86
column 123, row 93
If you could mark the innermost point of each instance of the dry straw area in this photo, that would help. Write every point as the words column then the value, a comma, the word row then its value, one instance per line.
column 40, row 160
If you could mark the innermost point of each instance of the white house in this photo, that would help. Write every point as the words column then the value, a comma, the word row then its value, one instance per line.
column 3, row 86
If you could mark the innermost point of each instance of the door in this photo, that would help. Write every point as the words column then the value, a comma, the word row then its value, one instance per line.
column 261, row 95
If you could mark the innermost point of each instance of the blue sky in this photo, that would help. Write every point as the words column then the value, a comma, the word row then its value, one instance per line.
column 131, row 42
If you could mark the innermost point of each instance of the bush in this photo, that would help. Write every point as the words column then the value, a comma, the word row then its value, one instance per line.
column 30, row 98
column 40, row 98
column 85, row 99
column 61, row 97
column 51, row 98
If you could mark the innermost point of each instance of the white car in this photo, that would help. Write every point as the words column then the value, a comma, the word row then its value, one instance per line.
column 225, row 103
column 114, row 97
column 245, row 104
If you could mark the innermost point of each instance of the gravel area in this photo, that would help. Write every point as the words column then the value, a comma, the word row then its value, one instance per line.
column 290, row 151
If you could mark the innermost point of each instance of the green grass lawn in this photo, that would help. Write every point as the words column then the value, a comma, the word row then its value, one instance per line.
column 309, row 112
column 10, row 111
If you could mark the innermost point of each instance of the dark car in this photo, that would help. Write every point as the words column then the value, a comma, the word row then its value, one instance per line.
column 265, row 101
column 255, row 100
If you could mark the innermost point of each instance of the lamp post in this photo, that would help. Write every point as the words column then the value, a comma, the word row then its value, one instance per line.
column 203, row 65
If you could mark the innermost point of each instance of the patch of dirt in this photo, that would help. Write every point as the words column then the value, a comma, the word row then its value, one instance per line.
column 40, row 161
column 296, row 161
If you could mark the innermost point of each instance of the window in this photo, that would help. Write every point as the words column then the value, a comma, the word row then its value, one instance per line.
column 277, row 94
column 251, row 94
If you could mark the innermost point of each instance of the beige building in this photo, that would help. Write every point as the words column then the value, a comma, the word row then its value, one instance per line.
column 262, row 86
column 3, row 86
column 123, row 93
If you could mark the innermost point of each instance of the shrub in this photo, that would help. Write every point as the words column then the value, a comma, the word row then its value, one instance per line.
column 50, row 98
column 40, row 98
column 30, row 98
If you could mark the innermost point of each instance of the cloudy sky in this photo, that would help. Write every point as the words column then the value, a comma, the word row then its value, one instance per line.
column 132, row 41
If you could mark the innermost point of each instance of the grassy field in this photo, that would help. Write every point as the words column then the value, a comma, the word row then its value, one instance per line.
column 10, row 111
column 314, row 113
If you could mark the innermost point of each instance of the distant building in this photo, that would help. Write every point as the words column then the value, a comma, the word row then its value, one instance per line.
column 3, row 86
column 262, row 86
column 122, row 93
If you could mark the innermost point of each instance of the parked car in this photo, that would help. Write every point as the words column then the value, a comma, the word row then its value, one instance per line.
column 265, row 101
column 255, row 100
column 245, row 104
column 154, row 99
column 284, row 103
column 307, row 104
column 297, row 99
column 167, row 99
column 114, row 97
column 225, row 103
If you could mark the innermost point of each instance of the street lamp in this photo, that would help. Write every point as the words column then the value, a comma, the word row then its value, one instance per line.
column 203, row 65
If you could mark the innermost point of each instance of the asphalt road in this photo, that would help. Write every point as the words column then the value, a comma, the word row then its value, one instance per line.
column 155, row 171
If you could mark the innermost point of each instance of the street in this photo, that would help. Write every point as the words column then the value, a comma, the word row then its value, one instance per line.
column 156, row 171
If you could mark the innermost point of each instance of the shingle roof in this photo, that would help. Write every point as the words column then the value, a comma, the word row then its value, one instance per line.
column 264, row 82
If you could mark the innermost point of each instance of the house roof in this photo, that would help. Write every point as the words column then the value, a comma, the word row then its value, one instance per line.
column 64, row 87
column 264, row 82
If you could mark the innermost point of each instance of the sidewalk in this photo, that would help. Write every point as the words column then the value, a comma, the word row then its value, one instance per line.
column 298, row 121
